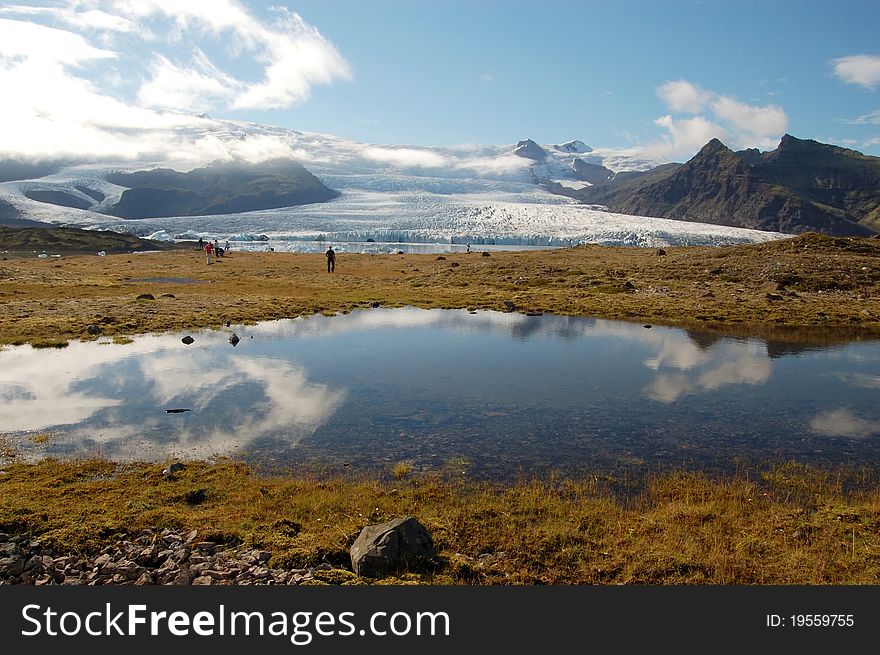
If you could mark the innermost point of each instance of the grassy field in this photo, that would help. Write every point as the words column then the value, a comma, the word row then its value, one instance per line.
column 789, row 525
column 806, row 285
column 786, row 525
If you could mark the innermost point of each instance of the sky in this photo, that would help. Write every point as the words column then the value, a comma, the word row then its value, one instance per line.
column 95, row 78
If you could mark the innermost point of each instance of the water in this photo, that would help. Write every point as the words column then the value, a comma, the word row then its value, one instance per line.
column 496, row 395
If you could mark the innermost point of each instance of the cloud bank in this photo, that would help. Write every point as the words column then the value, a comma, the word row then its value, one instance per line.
column 93, row 78
column 712, row 115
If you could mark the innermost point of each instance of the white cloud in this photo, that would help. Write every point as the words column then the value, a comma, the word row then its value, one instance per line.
column 862, row 70
column 684, row 137
column 63, row 94
column 197, row 88
column 404, row 157
column 758, row 125
column 683, row 96
column 871, row 118
column 737, row 124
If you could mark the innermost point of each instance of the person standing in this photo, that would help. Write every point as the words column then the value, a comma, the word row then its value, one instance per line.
column 331, row 260
column 209, row 250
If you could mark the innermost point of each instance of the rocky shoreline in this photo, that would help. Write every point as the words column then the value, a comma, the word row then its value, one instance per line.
column 165, row 557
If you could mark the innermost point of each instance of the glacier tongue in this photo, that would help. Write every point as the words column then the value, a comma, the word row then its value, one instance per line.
column 482, row 195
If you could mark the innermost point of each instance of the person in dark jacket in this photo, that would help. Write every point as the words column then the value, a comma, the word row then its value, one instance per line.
column 331, row 260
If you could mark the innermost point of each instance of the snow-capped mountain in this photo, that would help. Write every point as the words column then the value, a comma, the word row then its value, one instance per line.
column 388, row 194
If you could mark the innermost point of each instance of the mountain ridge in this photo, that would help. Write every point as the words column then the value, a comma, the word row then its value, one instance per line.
column 801, row 186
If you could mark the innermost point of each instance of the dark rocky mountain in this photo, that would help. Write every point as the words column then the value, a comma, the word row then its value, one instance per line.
column 217, row 189
column 18, row 169
column 576, row 147
column 801, row 186
column 61, row 198
column 592, row 173
column 71, row 240
column 530, row 150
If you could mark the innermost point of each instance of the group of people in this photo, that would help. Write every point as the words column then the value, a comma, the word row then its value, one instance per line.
column 214, row 248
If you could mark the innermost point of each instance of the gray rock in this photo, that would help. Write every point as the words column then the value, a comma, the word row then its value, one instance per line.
column 94, row 329
column 187, row 340
column 234, row 339
column 401, row 542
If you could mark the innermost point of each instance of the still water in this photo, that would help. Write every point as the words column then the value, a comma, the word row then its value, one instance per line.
column 493, row 394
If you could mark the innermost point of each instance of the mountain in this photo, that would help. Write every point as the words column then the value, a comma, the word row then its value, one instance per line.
column 530, row 150
column 216, row 189
column 439, row 197
column 800, row 186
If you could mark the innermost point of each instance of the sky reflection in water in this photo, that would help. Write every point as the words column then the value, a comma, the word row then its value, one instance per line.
column 506, row 393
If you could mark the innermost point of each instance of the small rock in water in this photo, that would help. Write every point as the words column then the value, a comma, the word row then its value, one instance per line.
column 177, row 410
column 187, row 340
column 234, row 339
column 647, row 326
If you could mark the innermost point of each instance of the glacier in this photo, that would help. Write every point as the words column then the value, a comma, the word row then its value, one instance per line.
column 393, row 198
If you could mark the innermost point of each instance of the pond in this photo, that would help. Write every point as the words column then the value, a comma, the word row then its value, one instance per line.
column 495, row 395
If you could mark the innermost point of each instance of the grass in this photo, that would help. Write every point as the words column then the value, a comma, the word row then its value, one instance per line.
column 831, row 284
column 792, row 525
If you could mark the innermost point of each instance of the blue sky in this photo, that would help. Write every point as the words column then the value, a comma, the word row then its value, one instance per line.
column 656, row 77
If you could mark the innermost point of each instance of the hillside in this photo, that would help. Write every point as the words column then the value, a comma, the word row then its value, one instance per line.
column 801, row 186
column 217, row 189
column 72, row 241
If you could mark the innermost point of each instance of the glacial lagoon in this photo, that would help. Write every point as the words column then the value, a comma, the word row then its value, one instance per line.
column 493, row 395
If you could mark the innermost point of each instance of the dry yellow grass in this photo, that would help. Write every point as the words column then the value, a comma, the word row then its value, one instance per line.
column 830, row 284
column 793, row 526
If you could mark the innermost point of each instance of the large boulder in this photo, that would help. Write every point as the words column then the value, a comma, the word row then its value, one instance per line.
column 383, row 548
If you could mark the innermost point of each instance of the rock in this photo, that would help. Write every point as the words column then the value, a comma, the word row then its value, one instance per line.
column 375, row 303
column 629, row 286
column 509, row 306
column 455, row 264
column 647, row 326
column 168, row 295
column 187, row 340
column 771, row 287
column 174, row 468
column 94, row 329
column 234, row 339
column 773, row 296
column 661, row 252
column 485, row 254
column 441, row 258
column 146, row 296
column 401, row 542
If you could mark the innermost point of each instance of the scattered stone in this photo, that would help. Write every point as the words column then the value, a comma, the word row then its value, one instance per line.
column 485, row 254
column 401, row 542
column 168, row 295
column 455, row 264
column 174, row 468
column 771, row 287
column 708, row 294
column 146, row 296
column 661, row 252
column 647, row 326
column 629, row 286
column 773, row 296
column 106, row 320
column 374, row 304
column 441, row 258
column 187, row 340
column 509, row 306
column 94, row 329
column 234, row 339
